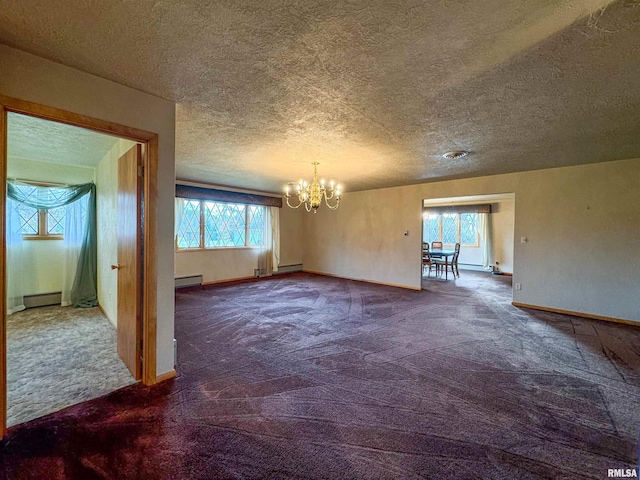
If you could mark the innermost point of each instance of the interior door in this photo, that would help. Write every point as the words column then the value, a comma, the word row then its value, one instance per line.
column 128, row 267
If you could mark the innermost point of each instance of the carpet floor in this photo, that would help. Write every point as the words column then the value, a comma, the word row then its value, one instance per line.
column 57, row 357
column 304, row 376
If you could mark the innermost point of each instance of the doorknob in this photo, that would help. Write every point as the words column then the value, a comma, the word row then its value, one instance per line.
column 116, row 266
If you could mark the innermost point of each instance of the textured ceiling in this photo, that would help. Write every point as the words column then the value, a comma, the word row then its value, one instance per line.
column 375, row 91
column 32, row 138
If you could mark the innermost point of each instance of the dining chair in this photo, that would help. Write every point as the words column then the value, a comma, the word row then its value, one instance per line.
column 428, row 262
column 436, row 245
column 453, row 264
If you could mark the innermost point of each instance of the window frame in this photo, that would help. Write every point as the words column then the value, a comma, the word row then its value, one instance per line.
column 458, row 229
column 201, row 247
column 43, row 217
column 43, row 229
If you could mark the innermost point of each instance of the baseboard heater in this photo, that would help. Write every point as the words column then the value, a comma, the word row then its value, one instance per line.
column 42, row 300
column 190, row 281
column 288, row 269
column 282, row 269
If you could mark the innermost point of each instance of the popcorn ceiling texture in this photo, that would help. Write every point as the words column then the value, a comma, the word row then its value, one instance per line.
column 375, row 91
column 32, row 138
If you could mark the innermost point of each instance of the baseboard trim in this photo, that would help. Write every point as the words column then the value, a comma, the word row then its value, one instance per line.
column 406, row 287
column 166, row 376
column 577, row 314
column 228, row 280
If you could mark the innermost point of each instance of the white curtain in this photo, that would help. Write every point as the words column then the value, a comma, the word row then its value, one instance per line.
column 275, row 236
column 15, row 259
column 486, row 235
column 265, row 258
column 269, row 257
column 74, row 228
column 179, row 214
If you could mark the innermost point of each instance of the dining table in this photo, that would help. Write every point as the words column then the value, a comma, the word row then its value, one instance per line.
column 446, row 254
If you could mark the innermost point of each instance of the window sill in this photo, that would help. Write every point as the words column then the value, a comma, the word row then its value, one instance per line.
column 42, row 237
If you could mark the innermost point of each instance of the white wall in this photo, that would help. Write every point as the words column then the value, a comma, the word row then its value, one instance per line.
column 582, row 223
column 31, row 78
column 107, row 220
column 43, row 259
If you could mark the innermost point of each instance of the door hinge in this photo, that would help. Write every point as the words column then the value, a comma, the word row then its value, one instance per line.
column 141, row 171
column 139, row 345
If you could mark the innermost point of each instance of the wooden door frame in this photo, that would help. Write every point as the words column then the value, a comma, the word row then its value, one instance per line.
column 150, row 212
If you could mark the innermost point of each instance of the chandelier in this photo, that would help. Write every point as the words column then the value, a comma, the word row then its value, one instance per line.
column 311, row 194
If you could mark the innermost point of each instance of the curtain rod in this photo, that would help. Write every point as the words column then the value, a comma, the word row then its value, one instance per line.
column 40, row 184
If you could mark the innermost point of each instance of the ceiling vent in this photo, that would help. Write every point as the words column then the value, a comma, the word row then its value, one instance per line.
column 455, row 155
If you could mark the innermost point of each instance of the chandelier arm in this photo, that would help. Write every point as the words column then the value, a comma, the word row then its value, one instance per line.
column 307, row 206
column 293, row 206
column 334, row 207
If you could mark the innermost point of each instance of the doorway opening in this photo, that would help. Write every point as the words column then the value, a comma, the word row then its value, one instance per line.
column 480, row 226
column 149, row 277
column 64, row 339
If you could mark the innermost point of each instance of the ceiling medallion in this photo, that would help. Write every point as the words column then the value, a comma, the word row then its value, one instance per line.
column 455, row 154
column 311, row 194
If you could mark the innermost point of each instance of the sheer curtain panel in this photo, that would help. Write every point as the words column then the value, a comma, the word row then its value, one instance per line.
column 15, row 258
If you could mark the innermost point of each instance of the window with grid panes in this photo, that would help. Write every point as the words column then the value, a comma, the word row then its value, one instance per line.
column 452, row 228
column 40, row 223
column 207, row 224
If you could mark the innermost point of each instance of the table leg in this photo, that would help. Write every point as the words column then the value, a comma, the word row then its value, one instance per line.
column 446, row 268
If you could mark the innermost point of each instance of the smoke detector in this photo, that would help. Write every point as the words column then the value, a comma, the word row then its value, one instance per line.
column 456, row 154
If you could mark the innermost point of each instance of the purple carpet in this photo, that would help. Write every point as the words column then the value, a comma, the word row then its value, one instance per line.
column 303, row 376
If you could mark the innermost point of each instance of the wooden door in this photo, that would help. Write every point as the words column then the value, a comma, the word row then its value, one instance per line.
column 128, row 267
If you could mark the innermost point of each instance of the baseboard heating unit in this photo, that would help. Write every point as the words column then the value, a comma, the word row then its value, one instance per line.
column 191, row 281
column 42, row 300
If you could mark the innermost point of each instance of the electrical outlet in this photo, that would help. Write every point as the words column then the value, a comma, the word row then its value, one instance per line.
column 523, row 239
column 518, row 286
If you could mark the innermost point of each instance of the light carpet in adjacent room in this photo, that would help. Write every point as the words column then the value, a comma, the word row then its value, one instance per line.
column 57, row 357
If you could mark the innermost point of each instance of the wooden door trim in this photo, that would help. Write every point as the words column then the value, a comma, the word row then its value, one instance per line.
column 150, row 253
column 3, row 275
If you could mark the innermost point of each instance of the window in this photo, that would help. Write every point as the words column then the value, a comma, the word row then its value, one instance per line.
column 39, row 223
column 207, row 224
column 452, row 228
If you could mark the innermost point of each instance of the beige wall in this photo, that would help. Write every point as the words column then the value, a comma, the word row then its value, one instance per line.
column 582, row 225
column 503, row 225
column 218, row 264
column 291, row 243
column 44, row 259
column 32, row 78
column 107, row 220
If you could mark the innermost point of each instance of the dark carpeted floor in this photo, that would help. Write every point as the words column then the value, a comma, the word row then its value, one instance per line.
column 304, row 376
